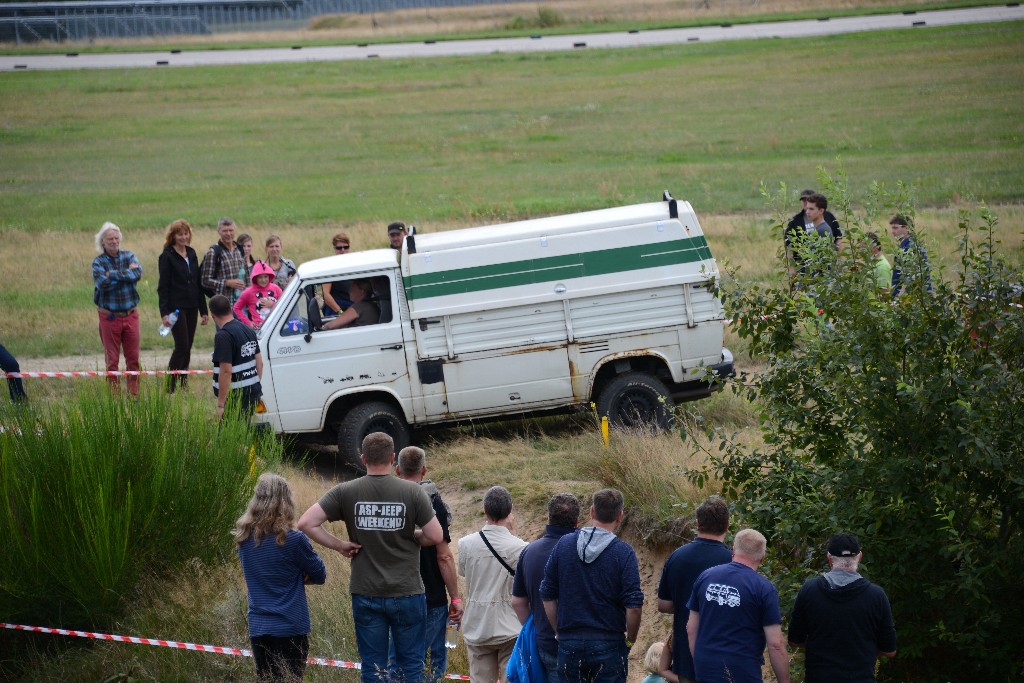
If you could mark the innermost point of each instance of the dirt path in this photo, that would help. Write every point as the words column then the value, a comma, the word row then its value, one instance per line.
column 155, row 359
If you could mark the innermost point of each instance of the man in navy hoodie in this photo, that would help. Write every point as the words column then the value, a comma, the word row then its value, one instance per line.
column 843, row 620
column 592, row 597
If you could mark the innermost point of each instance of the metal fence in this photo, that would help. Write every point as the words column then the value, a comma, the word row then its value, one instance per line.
column 25, row 22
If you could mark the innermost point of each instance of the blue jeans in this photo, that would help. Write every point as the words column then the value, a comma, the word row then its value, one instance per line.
column 550, row 663
column 405, row 619
column 593, row 661
column 436, row 652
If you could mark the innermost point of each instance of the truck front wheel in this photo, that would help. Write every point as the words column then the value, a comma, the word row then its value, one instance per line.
column 367, row 418
column 636, row 400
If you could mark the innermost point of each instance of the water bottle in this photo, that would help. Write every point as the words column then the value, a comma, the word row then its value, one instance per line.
column 451, row 635
column 165, row 330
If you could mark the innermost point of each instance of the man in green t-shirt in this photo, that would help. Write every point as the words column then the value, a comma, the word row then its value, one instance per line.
column 381, row 513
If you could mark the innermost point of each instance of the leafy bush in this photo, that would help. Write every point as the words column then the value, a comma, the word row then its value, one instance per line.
column 899, row 421
column 102, row 490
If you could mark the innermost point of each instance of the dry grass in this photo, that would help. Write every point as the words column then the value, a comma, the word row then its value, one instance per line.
column 501, row 17
column 577, row 13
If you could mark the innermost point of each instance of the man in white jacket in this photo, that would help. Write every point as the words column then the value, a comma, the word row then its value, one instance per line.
column 488, row 560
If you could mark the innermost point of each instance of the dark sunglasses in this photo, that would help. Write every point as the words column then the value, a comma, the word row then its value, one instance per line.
column 340, row 247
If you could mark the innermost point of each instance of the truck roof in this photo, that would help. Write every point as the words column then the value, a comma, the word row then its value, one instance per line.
column 561, row 257
column 586, row 221
column 350, row 263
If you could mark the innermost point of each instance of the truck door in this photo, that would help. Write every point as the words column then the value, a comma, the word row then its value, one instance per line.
column 501, row 360
column 312, row 366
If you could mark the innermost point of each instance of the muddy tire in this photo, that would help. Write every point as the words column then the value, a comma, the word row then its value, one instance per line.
column 636, row 401
column 365, row 419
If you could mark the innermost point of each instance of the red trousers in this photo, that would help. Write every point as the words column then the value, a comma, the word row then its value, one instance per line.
column 121, row 333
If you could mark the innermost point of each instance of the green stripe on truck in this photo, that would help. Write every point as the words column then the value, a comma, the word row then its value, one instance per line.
column 552, row 268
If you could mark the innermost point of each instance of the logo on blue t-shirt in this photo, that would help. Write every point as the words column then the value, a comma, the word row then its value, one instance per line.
column 723, row 594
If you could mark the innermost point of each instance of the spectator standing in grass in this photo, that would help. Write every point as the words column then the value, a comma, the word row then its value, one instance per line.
column 488, row 560
column 681, row 570
column 815, row 220
column 911, row 261
column 283, row 267
column 842, row 619
column 396, row 234
column 237, row 362
column 563, row 518
column 223, row 267
column 381, row 513
column 437, row 568
column 8, row 363
column 115, row 274
column 734, row 612
column 880, row 267
column 245, row 245
column 277, row 562
column 592, row 597
column 336, row 293
column 178, row 289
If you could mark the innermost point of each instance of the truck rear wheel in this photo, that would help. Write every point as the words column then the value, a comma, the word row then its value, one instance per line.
column 636, row 400
column 367, row 418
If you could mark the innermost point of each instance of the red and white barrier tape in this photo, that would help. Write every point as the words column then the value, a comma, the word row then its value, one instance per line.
column 104, row 373
column 234, row 651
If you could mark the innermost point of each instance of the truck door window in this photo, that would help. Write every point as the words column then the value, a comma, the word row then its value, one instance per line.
column 371, row 303
column 297, row 320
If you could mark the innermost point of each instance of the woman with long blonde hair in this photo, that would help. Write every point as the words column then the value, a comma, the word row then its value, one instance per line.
column 277, row 562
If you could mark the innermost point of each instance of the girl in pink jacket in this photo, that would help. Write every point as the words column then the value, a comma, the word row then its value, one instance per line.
column 261, row 295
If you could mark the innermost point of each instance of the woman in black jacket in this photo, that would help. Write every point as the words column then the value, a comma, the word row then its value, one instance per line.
column 178, row 288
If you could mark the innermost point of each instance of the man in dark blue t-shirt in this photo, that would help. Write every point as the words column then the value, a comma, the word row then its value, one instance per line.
column 563, row 518
column 681, row 570
column 734, row 612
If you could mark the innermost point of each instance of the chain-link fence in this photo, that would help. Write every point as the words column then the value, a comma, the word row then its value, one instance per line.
column 27, row 22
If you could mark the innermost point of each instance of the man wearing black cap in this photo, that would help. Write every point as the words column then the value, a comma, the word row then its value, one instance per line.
column 397, row 233
column 842, row 619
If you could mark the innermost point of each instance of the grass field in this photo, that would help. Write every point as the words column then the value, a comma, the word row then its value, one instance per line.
column 305, row 150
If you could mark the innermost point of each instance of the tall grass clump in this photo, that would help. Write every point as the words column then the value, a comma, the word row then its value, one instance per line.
column 99, row 490
column 650, row 470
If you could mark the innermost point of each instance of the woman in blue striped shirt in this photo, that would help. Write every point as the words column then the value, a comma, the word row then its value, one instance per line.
column 276, row 574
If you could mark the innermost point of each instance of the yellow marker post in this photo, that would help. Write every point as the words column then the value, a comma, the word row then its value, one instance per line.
column 604, row 430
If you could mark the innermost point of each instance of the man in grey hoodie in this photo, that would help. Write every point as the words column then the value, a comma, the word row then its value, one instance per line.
column 843, row 620
column 592, row 596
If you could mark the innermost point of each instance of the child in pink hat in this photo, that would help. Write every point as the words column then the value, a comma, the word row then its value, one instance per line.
column 261, row 295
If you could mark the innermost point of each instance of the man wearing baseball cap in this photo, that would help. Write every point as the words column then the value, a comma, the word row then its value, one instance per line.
column 397, row 233
column 843, row 620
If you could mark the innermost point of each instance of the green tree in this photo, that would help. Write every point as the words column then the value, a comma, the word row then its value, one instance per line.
column 902, row 421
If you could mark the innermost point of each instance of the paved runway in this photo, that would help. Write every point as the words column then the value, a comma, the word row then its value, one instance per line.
column 779, row 29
